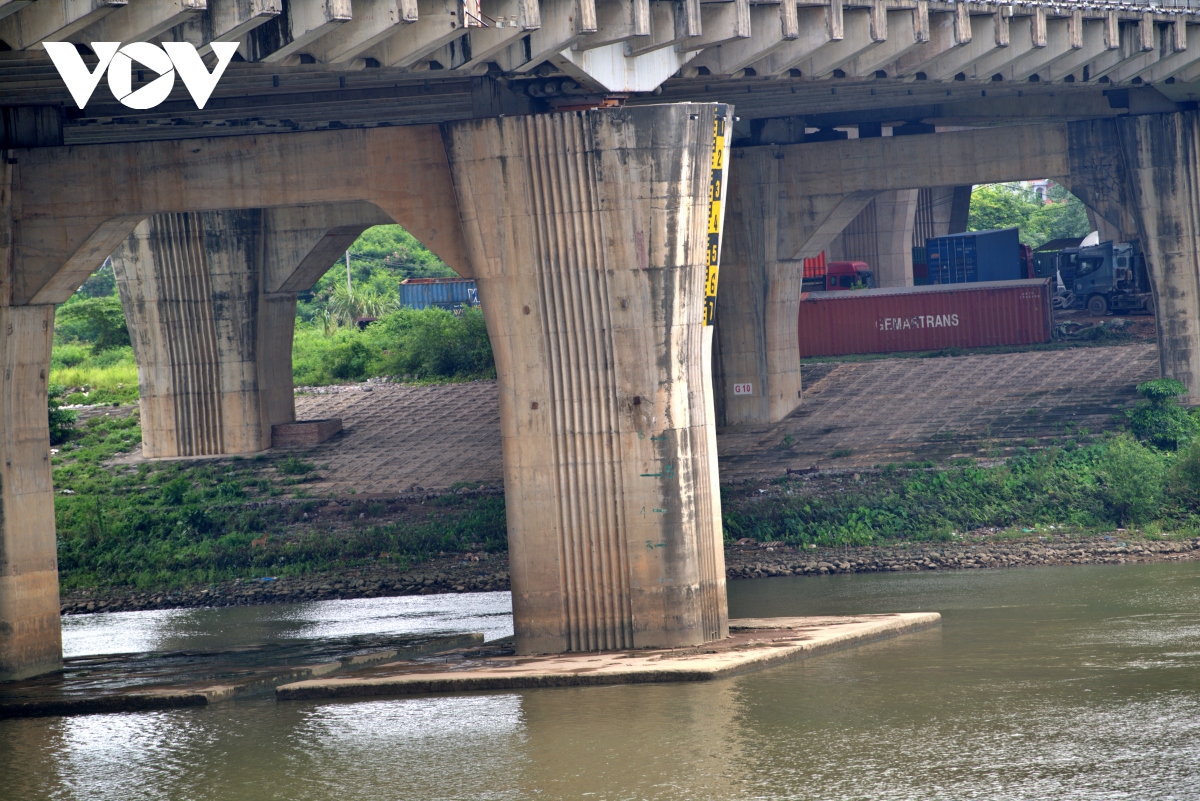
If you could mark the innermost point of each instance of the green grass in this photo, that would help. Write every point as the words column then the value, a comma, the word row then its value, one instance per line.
column 1096, row 486
column 107, row 377
column 174, row 524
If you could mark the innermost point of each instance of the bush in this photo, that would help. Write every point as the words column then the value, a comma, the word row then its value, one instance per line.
column 99, row 322
column 62, row 421
column 1160, row 419
column 1131, row 479
column 1183, row 478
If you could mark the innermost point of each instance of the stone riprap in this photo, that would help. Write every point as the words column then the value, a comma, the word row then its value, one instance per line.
column 482, row 572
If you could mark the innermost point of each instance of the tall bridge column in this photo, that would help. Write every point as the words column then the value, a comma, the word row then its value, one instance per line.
column 30, row 632
column 756, row 345
column 214, row 349
column 586, row 233
column 1162, row 155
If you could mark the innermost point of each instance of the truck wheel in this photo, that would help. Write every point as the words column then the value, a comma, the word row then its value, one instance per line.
column 1097, row 306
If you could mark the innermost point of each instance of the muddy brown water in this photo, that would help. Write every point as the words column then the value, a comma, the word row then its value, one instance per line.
column 1064, row 683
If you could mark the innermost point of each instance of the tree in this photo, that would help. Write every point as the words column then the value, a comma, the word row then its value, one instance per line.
column 1014, row 206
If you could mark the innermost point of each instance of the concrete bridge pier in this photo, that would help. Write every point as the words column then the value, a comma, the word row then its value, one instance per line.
column 30, row 635
column 587, row 233
column 210, row 300
column 1162, row 155
column 213, row 350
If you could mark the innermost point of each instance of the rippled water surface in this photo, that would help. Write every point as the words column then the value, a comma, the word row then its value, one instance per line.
column 1071, row 683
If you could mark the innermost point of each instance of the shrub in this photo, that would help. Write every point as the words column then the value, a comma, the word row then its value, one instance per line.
column 1131, row 479
column 99, row 322
column 1183, row 478
column 1161, row 420
column 62, row 421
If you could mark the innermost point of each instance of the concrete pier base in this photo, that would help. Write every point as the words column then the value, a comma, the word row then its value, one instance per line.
column 586, row 234
column 214, row 349
column 30, row 632
column 753, row 644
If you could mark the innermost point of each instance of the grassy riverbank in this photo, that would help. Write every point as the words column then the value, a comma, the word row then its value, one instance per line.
column 180, row 524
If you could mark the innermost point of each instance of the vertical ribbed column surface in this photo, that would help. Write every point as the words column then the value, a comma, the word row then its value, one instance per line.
column 586, row 232
column 213, row 351
column 185, row 307
column 583, row 388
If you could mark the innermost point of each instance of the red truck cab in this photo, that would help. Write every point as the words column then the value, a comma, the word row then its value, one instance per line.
column 841, row 275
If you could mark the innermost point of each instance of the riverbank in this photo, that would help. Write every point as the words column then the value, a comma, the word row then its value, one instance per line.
column 488, row 572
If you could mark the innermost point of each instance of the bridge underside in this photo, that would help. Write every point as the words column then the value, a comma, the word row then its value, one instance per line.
column 487, row 129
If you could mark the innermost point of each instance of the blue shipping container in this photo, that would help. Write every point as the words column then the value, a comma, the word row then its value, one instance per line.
column 445, row 293
column 974, row 256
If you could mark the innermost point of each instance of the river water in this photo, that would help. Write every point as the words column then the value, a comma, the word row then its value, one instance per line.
column 1045, row 683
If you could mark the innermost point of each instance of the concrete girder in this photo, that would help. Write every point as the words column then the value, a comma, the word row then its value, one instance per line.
column 671, row 24
column 141, row 21
column 858, row 39
column 53, row 21
column 617, row 21
column 982, row 41
column 1096, row 42
column 511, row 19
column 1022, row 42
column 942, row 38
column 372, row 22
column 226, row 21
column 1062, row 40
column 1183, row 57
column 721, row 22
column 559, row 27
column 30, row 629
column 1131, row 50
column 814, row 39
column 772, row 28
column 306, row 21
column 439, row 22
column 587, row 238
column 12, row 6
column 73, row 206
column 903, row 37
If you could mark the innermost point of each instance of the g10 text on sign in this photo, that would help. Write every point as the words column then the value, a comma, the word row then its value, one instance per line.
column 165, row 59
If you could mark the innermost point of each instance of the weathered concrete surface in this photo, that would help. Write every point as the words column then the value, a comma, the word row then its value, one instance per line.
column 92, row 685
column 214, row 350
column 756, row 340
column 30, row 634
column 895, row 217
column 587, row 237
column 73, row 206
column 1140, row 174
column 1162, row 156
column 753, row 644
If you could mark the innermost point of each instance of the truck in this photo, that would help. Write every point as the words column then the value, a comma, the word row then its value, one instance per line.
column 1102, row 278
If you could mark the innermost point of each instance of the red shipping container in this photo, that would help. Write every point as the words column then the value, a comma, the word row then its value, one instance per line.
column 973, row 315
column 815, row 267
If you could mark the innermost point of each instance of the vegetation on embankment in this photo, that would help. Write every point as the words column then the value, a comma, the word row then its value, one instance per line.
column 173, row 524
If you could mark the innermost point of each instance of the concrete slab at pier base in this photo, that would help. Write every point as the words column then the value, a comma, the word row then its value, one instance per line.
column 753, row 644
